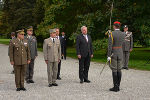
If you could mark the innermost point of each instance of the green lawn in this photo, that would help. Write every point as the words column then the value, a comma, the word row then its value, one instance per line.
column 4, row 41
column 138, row 57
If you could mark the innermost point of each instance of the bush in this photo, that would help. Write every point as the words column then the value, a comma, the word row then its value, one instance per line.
column 100, row 44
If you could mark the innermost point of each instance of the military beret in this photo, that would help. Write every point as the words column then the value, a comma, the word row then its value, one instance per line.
column 20, row 31
column 30, row 28
column 52, row 30
column 125, row 26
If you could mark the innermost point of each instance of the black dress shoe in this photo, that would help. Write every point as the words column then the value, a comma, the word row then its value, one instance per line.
column 31, row 81
column 18, row 89
column 87, row 81
column 24, row 89
column 28, row 81
column 58, row 78
column 55, row 84
column 50, row 85
column 81, row 81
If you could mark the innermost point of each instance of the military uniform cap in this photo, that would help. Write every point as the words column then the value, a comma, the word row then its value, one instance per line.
column 20, row 31
column 116, row 22
column 125, row 26
column 52, row 30
column 12, row 33
column 30, row 28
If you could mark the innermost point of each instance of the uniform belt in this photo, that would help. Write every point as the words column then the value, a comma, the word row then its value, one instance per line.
column 116, row 47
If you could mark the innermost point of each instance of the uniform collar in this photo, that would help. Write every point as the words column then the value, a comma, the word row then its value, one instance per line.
column 29, row 36
column 117, row 29
column 18, row 39
column 52, row 38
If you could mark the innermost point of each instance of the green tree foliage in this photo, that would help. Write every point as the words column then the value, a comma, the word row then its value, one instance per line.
column 70, row 15
column 20, row 14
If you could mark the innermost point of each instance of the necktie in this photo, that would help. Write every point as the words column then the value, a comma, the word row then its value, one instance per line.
column 53, row 41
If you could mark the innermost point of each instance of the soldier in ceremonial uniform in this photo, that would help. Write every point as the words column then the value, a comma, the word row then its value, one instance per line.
column 115, row 54
column 19, row 54
column 33, row 53
column 52, row 56
column 127, row 47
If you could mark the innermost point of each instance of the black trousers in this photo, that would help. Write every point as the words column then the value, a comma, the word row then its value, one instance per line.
column 59, row 67
column 84, row 64
column 65, row 53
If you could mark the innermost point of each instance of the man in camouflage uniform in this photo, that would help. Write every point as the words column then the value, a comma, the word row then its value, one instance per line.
column 19, row 54
column 127, row 47
column 115, row 54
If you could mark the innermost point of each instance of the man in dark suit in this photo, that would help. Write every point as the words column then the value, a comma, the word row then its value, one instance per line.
column 85, row 53
column 64, row 45
column 59, row 64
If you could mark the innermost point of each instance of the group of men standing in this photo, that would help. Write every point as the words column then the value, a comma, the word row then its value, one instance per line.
column 120, row 44
column 23, row 52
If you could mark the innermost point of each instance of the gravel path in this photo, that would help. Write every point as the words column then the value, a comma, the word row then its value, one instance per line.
column 135, row 84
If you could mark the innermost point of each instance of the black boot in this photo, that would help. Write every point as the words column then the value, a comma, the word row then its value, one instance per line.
column 115, row 82
column 119, row 74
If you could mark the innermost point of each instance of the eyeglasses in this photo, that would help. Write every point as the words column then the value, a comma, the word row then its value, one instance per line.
column 21, row 34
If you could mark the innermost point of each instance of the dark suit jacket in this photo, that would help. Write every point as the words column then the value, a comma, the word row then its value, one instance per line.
column 83, row 47
column 64, row 44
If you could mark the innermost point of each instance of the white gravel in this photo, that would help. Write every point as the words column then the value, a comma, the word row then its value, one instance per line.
column 135, row 84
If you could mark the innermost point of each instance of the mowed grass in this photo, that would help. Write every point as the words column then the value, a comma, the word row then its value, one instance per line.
column 138, row 57
column 4, row 41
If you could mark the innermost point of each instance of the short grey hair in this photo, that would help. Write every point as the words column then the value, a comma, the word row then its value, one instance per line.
column 83, row 27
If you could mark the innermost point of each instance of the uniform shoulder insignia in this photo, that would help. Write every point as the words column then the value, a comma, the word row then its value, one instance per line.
column 34, row 37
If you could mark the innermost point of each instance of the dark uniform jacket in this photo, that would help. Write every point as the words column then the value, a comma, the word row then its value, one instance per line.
column 32, row 42
column 115, row 44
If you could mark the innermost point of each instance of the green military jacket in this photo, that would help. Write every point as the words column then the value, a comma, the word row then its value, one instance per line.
column 19, row 52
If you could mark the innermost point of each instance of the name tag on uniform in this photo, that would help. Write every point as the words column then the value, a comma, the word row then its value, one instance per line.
column 25, row 44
